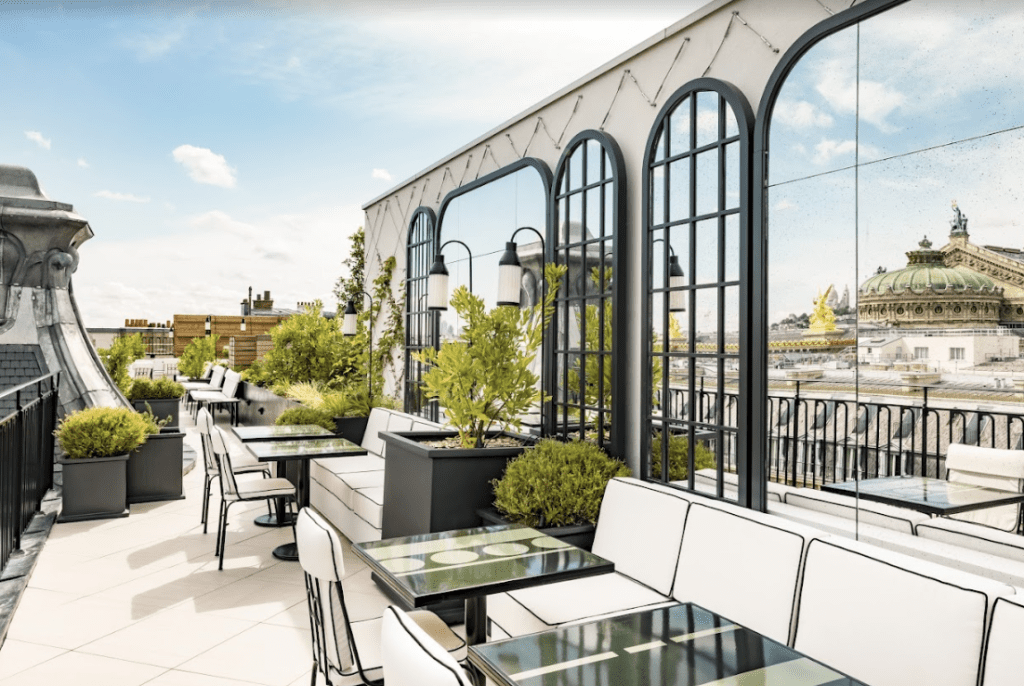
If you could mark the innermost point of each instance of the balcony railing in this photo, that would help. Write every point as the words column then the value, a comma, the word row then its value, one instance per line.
column 26, row 456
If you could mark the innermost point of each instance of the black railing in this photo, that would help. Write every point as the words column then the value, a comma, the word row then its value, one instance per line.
column 26, row 456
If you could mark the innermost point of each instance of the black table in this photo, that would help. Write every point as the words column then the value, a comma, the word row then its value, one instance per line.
column 681, row 645
column 925, row 494
column 469, row 564
column 296, row 432
column 302, row 451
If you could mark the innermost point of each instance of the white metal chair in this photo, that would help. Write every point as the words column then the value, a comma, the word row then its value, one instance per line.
column 341, row 647
column 414, row 658
column 205, row 423
column 991, row 468
column 233, row 491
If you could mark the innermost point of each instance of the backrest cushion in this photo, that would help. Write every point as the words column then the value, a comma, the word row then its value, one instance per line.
column 399, row 421
column 878, row 514
column 205, row 423
column 377, row 422
column 412, row 658
column 231, row 381
column 217, row 376
column 1004, row 659
column 717, row 566
column 423, row 425
column 890, row 619
column 223, row 461
column 639, row 528
column 320, row 547
column 991, row 468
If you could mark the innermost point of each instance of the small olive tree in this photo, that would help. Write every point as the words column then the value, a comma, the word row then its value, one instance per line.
column 196, row 354
column 119, row 356
column 484, row 378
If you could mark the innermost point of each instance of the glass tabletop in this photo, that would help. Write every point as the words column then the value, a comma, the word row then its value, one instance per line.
column 267, row 451
column 934, row 496
column 270, row 433
column 461, row 564
column 682, row 645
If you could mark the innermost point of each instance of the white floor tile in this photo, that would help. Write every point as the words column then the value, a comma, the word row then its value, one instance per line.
column 84, row 670
column 265, row 654
column 17, row 656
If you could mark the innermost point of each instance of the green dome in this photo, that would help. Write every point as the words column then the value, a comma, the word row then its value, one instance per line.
column 926, row 271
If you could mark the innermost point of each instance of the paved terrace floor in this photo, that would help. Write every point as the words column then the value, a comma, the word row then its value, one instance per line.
column 139, row 600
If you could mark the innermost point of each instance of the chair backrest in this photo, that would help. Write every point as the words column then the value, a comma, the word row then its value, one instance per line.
column 205, row 423
column 412, row 658
column 1004, row 660
column 375, row 423
column 647, row 553
column 715, row 570
column 222, row 457
column 889, row 619
column 320, row 554
column 231, row 381
column 217, row 376
column 991, row 468
column 399, row 421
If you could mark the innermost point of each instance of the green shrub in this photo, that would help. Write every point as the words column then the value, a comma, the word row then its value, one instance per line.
column 101, row 432
column 556, row 484
column 160, row 389
column 305, row 415
column 197, row 353
column 352, row 401
column 678, row 454
column 117, row 358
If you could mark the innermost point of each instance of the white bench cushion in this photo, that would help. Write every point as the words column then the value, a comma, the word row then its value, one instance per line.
column 351, row 463
column 1004, row 659
column 353, row 481
column 991, row 468
column 375, row 423
column 570, row 601
column 368, row 503
column 716, row 568
column 639, row 528
column 399, row 421
column 877, row 514
column 974, row 536
column 891, row 620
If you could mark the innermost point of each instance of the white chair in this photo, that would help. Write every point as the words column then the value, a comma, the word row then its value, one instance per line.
column 232, row 491
column 342, row 647
column 412, row 657
column 991, row 468
column 242, row 466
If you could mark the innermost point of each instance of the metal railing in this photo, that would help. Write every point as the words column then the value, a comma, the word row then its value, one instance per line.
column 26, row 456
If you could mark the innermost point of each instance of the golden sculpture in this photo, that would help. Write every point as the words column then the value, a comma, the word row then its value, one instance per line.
column 823, row 318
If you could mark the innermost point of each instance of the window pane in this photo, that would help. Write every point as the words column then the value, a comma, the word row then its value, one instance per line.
column 659, row 148
column 576, row 169
column 575, row 218
column 593, row 212
column 658, row 196
column 731, row 127
column 707, row 182
column 732, row 175
column 707, row 251
column 732, row 247
column 594, row 156
column 609, row 208
column 679, row 190
column 679, row 128
column 707, row 320
column 732, row 318
column 707, row 118
column 658, row 258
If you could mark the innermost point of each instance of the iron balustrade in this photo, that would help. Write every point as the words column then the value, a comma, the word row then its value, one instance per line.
column 26, row 457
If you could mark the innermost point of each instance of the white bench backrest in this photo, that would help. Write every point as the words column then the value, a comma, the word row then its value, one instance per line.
column 231, row 381
column 889, row 619
column 992, row 468
column 399, row 421
column 1004, row 659
column 878, row 514
column 640, row 528
column 375, row 423
column 217, row 376
column 744, row 564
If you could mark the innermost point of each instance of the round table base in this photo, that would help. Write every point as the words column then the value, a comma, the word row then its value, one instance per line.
column 288, row 551
column 271, row 520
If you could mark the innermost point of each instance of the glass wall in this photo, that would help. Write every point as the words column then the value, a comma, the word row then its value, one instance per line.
column 896, row 321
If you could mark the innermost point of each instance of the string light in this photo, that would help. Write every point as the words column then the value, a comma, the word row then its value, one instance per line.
column 652, row 102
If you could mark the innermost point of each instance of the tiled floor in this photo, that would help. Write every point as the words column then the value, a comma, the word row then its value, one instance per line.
column 139, row 600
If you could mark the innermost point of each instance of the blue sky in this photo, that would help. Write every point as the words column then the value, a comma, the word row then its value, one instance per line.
column 217, row 146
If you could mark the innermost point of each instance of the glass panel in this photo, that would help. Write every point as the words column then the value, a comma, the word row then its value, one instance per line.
column 658, row 195
column 707, row 118
column 563, row 220
column 707, row 182
column 659, row 147
column 594, row 155
column 658, row 322
column 731, row 127
column 679, row 128
column 679, row 237
column 575, row 218
column 577, row 276
column 679, row 382
column 732, row 319
column 658, row 258
column 679, row 190
column 732, row 247
column 594, row 212
column 732, row 176
column 707, row 320
column 609, row 209
column 576, row 169
column 707, row 251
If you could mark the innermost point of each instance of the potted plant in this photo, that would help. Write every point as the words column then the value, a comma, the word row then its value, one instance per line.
column 297, row 416
column 162, row 397
column 96, row 443
column 678, row 457
column 155, row 467
column 348, row 408
column 556, row 487
column 484, row 382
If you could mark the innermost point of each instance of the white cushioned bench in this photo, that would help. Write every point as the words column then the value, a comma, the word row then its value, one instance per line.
column 349, row 491
column 891, row 620
column 1004, row 659
column 731, row 480
column 973, row 536
column 992, row 468
column 877, row 514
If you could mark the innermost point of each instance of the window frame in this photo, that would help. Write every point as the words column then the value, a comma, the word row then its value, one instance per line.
column 417, row 268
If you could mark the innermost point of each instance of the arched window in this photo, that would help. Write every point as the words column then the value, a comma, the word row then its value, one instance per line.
column 696, row 212
column 420, row 323
column 588, row 209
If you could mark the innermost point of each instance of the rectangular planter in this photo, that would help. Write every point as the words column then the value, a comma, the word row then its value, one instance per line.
column 160, row 407
column 94, row 488
column 154, row 470
column 579, row 535
column 437, row 489
column 351, row 428
column 260, row 407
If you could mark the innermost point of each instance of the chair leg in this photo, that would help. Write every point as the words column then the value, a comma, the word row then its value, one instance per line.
column 206, row 500
column 224, row 538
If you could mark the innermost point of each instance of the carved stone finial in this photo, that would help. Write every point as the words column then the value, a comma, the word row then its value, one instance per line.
column 925, row 244
column 958, row 223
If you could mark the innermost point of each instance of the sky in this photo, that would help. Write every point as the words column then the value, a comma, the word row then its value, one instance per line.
column 937, row 114
column 219, row 146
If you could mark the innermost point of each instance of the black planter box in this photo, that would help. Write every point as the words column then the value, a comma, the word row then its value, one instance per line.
column 160, row 407
column 94, row 488
column 351, row 428
column 260, row 407
column 579, row 535
column 437, row 489
column 154, row 469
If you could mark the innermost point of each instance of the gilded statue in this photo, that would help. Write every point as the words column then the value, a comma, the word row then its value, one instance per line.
column 823, row 318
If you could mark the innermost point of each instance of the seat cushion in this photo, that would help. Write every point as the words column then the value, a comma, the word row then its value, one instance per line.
column 368, row 503
column 974, row 536
column 1004, row 659
column 265, row 488
column 576, row 599
column 877, row 514
column 351, row 482
column 413, row 654
column 888, row 619
column 375, row 423
column 351, row 463
column 647, row 553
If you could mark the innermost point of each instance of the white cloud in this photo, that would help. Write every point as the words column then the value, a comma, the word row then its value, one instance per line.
column 381, row 174
column 801, row 115
column 877, row 100
column 149, row 46
column 784, row 204
column 122, row 197
column 82, row 162
column 37, row 137
column 218, row 221
column 827, row 150
column 205, row 166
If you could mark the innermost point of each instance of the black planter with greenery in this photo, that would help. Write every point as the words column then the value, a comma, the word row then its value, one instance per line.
column 162, row 397
column 351, row 428
column 155, row 468
column 429, row 489
column 579, row 535
column 96, row 443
